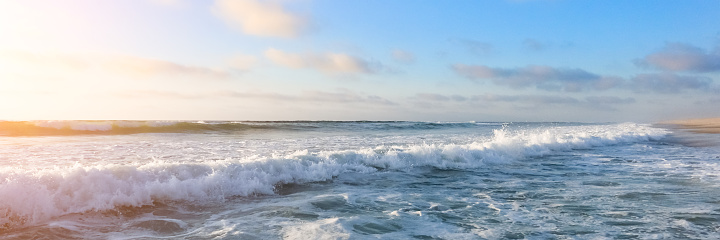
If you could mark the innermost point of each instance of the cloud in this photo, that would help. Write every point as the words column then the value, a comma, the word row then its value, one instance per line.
column 477, row 47
column 340, row 96
column 534, row 45
column 604, row 103
column 118, row 64
column 668, row 83
column 344, row 96
column 327, row 62
column 709, row 102
column 162, row 94
column 541, row 77
column 46, row 60
column 458, row 98
column 609, row 100
column 532, row 99
column 438, row 97
column 682, row 57
column 261, row 18
column 167, row 2
column 403, row 56
column 242, row 62
column 431, row 97
column 494, row 98
column 139, row 66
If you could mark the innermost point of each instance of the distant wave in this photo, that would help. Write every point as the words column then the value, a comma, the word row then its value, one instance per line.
column 49, row 128
column 29, row 196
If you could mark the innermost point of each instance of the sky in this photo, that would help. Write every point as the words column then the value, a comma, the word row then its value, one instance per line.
column 418, row 60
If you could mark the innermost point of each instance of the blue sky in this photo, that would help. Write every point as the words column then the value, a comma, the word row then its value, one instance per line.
column 504, row 60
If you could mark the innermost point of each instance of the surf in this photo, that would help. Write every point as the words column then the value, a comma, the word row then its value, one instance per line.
column 32, row 194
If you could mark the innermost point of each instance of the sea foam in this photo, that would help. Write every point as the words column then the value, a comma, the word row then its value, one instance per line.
column 29, row 196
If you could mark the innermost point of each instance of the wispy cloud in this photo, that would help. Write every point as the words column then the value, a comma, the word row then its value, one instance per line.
column 609, row 100
column 242, row 62
column 403, row 56
column 477, row 47
column 261, row 18
column 139, row 66
column 668, row 83
column 682, row 57
column 45, row 60
column 341, row 96
column 167, row 2
column 541, row 77
column 604, row 103
column 118, row 64
column 159, row 94
column 326, row 62
column 438, row 97
column 533, row 44
column 531, row 99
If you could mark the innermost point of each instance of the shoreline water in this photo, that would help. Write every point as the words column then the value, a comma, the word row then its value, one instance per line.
column 350, row 180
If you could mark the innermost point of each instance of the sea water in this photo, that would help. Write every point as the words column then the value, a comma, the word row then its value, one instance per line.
column 355, row 180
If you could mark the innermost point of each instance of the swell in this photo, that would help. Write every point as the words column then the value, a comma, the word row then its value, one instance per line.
column 30, row 196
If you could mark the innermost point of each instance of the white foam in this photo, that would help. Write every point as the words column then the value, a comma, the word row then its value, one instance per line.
column 29, row 196
column 330, row 228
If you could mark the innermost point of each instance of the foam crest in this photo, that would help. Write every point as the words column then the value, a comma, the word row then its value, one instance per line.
column 29, row 196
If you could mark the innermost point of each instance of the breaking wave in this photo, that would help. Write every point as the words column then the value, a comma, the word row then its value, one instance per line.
column 30, row 196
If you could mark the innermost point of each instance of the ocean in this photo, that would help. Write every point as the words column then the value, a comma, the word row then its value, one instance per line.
column 356, row 180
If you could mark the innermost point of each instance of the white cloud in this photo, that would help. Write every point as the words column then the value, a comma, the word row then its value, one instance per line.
column 117, row 64
column 341, row 96
column 682, row 57
column 151, row 67
column 261, row 18
column 242, row 62
column 167, row 2
column 327, row 62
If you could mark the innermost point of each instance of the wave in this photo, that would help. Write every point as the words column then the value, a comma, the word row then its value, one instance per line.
column 31, row 196
column 117, row 127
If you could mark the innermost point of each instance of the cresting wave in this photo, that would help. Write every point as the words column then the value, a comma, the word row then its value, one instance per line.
column 116, row 127
column 30, row 196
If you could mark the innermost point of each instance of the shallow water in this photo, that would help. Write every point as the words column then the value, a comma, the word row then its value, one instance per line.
column 357, row 180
